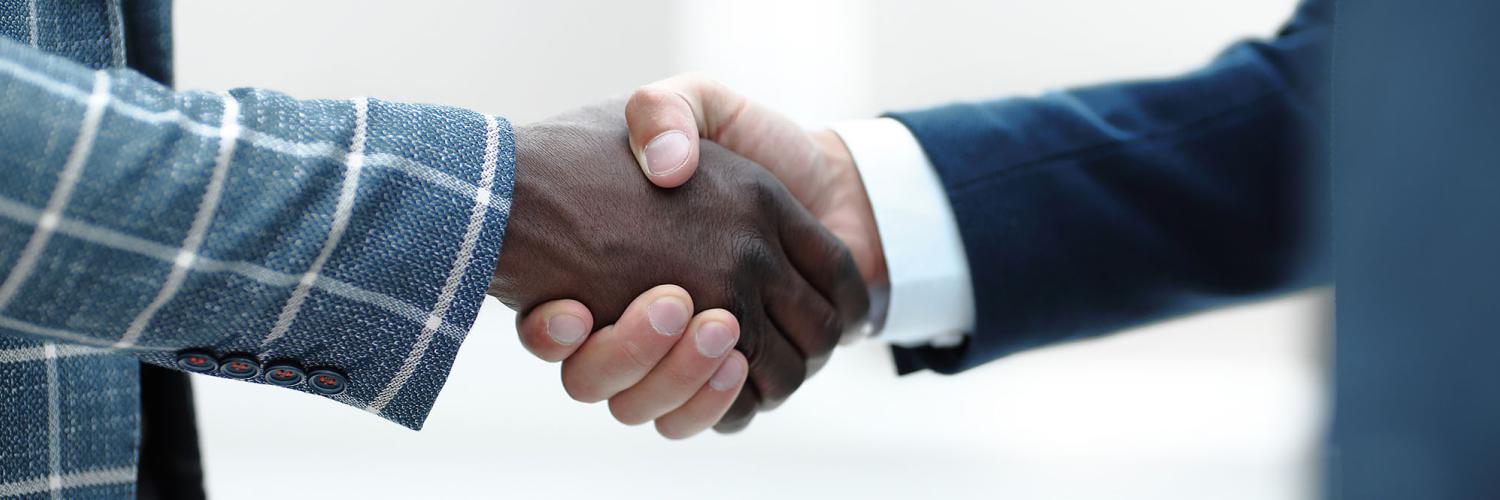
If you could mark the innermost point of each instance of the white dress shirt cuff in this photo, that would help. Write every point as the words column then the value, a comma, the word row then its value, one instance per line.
column 930, row 301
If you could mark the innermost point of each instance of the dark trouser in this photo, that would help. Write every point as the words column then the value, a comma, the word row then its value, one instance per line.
column 169, row 467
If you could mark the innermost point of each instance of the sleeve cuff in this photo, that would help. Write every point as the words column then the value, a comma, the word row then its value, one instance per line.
column 434, row 251
column 930, row 299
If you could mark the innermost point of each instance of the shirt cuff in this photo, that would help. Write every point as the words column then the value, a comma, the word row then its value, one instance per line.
column 930, row 301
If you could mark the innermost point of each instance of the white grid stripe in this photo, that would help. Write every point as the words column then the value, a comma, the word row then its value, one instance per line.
column 19, row 212
column 455, row 274
column 116, row 33
column 54, row 447
column 76, row 338
column 31, row 20
column 353, row 164
column 228, row 137
column 29, row 354
column 432, row 322
column 252, row 137
column 66, row 180
column 100, row 477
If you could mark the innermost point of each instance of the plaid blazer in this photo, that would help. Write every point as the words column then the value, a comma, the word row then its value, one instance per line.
column 338, row 248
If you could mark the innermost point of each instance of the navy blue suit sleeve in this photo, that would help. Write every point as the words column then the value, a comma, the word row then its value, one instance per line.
column 1091, row 210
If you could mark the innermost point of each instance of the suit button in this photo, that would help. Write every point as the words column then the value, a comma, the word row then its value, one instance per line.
column 239, row 367
column 328, row 382
column 197, row 361
column 284, row 375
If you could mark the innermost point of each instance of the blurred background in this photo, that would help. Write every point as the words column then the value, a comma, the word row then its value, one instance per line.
column 1224, row 405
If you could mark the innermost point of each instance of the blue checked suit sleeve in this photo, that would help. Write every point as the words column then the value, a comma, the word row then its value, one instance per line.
column 356, row 235
column 1091, row 210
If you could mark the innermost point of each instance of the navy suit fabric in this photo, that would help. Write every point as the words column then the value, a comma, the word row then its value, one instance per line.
column 1091, row 210
column 1363, row 156
column 1417, row 211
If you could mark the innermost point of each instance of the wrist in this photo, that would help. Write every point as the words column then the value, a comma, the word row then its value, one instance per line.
column 854, row 219
column 529, row 200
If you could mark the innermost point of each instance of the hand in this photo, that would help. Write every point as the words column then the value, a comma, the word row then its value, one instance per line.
column 668, row 118
column 585, row 225
column 683, row 382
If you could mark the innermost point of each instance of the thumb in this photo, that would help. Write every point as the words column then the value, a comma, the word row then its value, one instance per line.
column 667, row 118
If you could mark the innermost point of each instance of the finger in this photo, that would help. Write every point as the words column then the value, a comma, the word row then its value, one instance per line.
column 710, row 403
column 740, row 413
column 721, row 115
column 823, row 260
column 777, row 368
column 667, row 118
column 710, row 338
column 554, row 330
column 616, row 358
column 801, row 313
column 663, row 134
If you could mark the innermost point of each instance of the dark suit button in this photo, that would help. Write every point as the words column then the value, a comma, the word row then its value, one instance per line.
column 196, row 361
column 284, row 375
column 239, row 367
column 329, row 382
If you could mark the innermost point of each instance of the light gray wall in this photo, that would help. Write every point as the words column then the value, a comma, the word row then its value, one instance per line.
column 520, row 59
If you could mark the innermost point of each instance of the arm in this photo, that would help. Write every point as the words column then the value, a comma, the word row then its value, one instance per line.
column 1079, row 212
column 357, row 236
column 254, row 236
column 1087, row 211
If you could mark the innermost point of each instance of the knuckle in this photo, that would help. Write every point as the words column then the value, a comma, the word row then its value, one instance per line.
column 744, row 280
column 649, row 96
column 582, row 393
column 777, row 379
column 637, row 355
column 671, row 431
column 767, row 191
column 776, row 392
column 842, row 258
column 626, row 413
column 581, row 386
column 816, row 363
column 753, row 343
column 830, row 330
column 685, row 377
column 753, row 251
column 734, row 421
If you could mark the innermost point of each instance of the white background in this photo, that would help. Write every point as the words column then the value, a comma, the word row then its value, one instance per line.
column 1224, row 405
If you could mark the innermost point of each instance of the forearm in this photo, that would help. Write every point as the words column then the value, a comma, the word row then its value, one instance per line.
column 1091, row 210
column 358, row 235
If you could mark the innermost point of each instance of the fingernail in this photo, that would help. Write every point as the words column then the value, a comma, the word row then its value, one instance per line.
column 667, row 152
column 565, row 328
column 714, row 339
column 668, row 315
column 729, row 374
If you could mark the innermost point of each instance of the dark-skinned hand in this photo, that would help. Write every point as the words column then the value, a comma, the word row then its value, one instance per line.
column 586, row 225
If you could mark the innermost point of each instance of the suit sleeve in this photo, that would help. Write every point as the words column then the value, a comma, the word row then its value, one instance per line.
column 261, row 235
column 1091, row 210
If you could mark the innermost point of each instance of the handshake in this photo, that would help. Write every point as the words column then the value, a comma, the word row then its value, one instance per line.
column 725, row 275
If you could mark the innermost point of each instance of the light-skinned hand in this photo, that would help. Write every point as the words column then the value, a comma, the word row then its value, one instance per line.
column 667, row 119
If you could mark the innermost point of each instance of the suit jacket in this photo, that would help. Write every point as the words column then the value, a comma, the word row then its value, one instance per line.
column 336, row 248
column 1090, row 210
